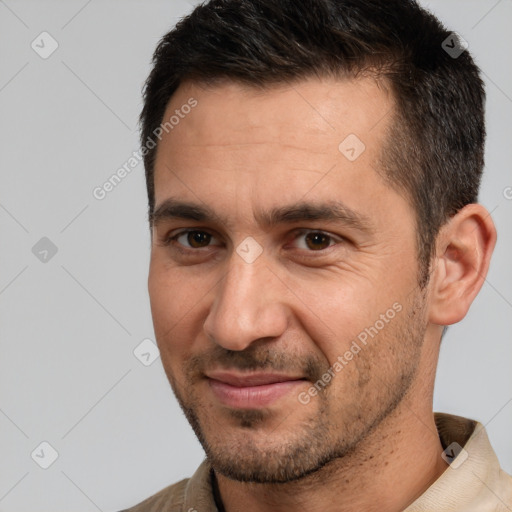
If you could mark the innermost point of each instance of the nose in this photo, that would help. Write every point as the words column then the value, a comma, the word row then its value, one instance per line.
column 249, row 305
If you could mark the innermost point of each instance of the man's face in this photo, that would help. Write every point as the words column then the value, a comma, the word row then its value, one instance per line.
column 285, row 342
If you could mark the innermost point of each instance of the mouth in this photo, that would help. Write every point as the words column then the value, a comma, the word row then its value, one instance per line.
column 251, row 390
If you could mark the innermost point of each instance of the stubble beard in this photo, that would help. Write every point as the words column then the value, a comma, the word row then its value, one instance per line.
column 257, row 454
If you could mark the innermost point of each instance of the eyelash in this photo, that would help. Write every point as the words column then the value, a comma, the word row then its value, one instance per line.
column 298, row 233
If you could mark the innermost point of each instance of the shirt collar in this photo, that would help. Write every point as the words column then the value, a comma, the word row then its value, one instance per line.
column 473, row 481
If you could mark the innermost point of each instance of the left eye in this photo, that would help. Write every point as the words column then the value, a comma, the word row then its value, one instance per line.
column 315, row 240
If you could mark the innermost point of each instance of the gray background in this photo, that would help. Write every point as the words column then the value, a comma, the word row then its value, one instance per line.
column 69, row 325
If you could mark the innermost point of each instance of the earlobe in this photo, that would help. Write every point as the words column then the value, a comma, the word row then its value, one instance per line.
column 463, row 253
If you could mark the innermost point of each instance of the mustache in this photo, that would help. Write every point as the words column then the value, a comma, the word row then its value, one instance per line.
column 256, row 358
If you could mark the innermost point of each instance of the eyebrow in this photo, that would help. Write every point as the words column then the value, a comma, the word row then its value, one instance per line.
column 336, row 211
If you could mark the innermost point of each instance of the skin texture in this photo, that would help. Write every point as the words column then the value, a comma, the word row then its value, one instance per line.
column 367, row 440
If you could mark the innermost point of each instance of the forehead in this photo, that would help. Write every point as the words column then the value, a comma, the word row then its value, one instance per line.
column 230, row 112
column 257, row 148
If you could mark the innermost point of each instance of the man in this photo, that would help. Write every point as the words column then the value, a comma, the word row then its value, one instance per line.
column 313, row 170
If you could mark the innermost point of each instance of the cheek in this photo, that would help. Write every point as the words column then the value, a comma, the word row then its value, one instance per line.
column 338, row 302
column 175, row 304
column 341, row 312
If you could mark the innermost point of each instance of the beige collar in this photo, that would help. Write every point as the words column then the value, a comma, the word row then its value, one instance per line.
column 474, row 481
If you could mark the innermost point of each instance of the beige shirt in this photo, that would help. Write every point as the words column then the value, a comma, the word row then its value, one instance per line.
column 473, row 482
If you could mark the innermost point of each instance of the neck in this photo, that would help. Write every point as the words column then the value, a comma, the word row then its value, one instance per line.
column 386, row 472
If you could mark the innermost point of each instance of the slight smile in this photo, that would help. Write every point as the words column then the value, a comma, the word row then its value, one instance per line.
column 250, row 391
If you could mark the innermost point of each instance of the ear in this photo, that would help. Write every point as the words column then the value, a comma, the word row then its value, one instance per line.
column 463, row 252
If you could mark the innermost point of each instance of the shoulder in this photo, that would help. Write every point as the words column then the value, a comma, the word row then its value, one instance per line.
column 170, row 498
column 187, row 495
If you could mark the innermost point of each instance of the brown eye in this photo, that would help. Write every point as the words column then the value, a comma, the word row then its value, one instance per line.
column 190, row 239
column 317, row 240
column 198, row 239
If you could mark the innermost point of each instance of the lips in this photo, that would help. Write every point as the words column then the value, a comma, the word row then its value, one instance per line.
column 251, row 390
column 248, row 380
